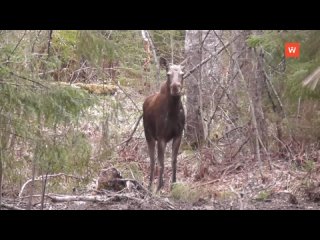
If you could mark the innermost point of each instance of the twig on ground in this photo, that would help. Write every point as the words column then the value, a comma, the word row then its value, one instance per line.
column 239, row 197
column 11, row 207
column 40, row 178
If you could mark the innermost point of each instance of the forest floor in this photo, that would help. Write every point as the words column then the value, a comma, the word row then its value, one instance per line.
column 233, row 186
column 203, row 183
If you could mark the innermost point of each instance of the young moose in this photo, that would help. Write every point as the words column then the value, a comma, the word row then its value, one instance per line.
column 164, row 119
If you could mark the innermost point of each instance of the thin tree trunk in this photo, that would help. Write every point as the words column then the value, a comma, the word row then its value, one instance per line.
column 49, row 42
column 0, row 177
column 29, row 207
column 44, row 189
column 249, row 75
column 32, row 184
column 44, row 186
column 194, row 127
column 254, row 79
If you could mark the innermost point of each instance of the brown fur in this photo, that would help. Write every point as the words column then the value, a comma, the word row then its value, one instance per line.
column 163, row 120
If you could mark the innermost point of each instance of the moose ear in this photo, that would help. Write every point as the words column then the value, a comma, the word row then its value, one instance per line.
column 164, row 63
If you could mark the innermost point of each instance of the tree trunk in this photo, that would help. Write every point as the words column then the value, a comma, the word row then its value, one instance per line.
column 194, row 125
column 252, row 69
column 0, row 177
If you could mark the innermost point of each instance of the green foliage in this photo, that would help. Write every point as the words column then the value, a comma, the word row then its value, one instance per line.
column 263, row 196
column 183, row 192
column 162, row 41
column 65, row 42
column 309, row 165
column 39, row 120
column 33, row 115
column 94, row 47
column 287, row 75
column 296, row 70
column 69, row 154
column 255, row 41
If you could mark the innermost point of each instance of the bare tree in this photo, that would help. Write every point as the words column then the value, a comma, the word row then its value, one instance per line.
column 0, row 178
column 249, row 64
column 194, row 127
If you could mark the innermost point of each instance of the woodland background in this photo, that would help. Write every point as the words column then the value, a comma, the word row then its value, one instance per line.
column 70, row 100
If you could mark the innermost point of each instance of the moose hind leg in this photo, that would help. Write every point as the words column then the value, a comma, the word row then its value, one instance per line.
column 175, row 149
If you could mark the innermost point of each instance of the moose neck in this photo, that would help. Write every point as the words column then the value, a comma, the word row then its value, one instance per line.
column 173, row 101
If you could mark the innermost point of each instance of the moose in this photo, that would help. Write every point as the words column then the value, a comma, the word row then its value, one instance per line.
column 164, row 120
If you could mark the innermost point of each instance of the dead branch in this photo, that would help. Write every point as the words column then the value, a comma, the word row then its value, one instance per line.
column 15, row 48
column 205, row 37
column 90, row 198
column 127, row 95
column 11, row 207
column 285, row 145
column 233, row 129
column 278, row 99
column 203, row 184
column 28, row 79
column 239, row 149
column 133, row 131
column 253, row 116
column 78, row 72
column 229, row 169
column 239, row 197
column 40, row 178
column 110, row 198
column 135, row 182
column 208, row 58
column 35, row 195
column 266, row 152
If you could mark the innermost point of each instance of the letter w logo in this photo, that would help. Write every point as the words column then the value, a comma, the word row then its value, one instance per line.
column 292, row 50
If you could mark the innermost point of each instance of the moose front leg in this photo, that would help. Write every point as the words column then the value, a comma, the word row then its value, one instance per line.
column 161, row 149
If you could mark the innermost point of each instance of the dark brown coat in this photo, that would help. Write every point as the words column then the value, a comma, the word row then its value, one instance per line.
column 164, row 120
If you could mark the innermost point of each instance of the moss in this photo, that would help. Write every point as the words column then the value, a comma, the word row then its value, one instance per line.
column 263, row 196
column 183, row 192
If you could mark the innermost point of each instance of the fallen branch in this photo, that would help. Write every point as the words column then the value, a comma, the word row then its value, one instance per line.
column 11, row 207
column 230, row 168
column 40, row 178
column 97, row 198
column 35, row 195
column 137, row 184
column 203, row 184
